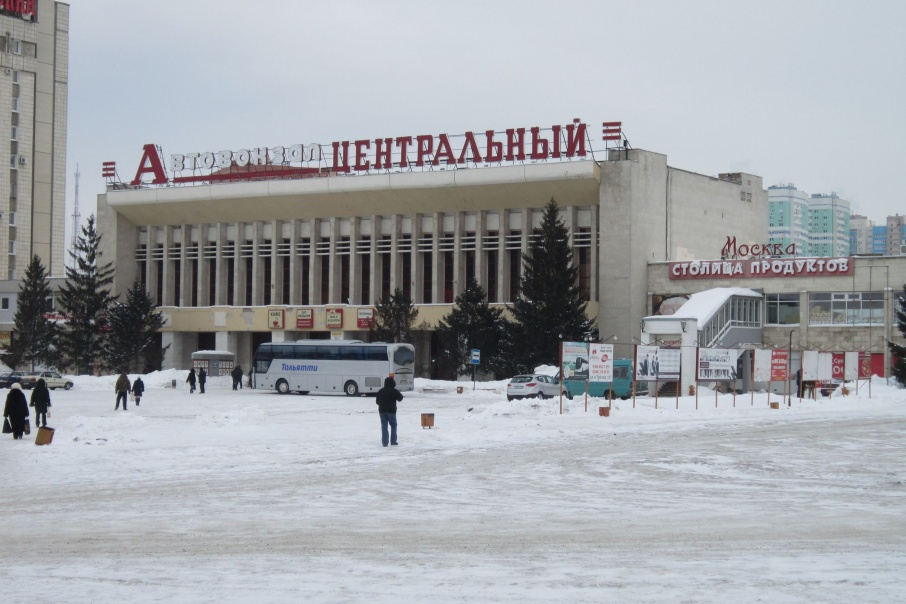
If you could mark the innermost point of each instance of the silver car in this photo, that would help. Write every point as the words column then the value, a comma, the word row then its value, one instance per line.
column 532, row 386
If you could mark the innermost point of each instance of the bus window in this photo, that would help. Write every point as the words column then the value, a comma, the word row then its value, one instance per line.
column 403, row 356
column 377, row 354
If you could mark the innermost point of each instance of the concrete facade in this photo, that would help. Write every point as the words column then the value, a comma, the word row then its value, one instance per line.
column 34, row 75
column 871, row 294
column 219, row 257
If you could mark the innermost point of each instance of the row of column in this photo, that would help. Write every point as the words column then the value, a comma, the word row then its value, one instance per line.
column 163, row 268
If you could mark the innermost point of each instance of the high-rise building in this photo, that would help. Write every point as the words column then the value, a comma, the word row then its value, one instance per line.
column 34, row 74
column 788, row 218
column 860, row 234
column 818, row 225
column 879, row 240
column 828, row 218
column 896, row 235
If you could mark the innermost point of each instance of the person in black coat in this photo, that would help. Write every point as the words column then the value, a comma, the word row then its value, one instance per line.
column 138, row 388
column 16, row 410
column 386, row 400
column 40, row 400
column 202, row 378
column 237, row 377
column 191, row 380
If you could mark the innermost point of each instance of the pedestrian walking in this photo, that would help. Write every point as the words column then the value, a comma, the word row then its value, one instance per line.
column 16, row 410
column 191, row 380
column 138, row 388
column 40, row 400
column 251, row 376
column 237, row 377
column 202, row 378
column 122, row 388
column 386, row 400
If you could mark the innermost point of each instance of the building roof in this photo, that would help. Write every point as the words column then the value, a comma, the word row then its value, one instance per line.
column 702, row 306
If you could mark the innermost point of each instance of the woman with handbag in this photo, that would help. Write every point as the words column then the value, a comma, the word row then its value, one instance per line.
column 16, row 410
column 40, row 400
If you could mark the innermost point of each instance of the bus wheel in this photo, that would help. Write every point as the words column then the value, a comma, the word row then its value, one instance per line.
column 351, row 388
column 282, row 387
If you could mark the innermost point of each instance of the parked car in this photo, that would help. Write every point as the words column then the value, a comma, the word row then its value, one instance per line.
column 53, row 380
column 532, row 386
column 9, row 378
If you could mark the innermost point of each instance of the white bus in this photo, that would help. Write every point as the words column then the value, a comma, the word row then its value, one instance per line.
column 349, row 366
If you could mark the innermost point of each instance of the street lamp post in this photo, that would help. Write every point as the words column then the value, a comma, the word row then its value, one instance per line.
column 789, row 361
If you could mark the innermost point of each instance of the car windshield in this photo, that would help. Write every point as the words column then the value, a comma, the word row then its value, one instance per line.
column 521, row 379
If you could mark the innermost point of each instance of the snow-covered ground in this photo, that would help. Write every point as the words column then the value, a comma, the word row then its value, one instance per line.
column 250, row 496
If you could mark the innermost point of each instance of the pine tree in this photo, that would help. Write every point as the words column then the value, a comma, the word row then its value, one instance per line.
column 85, row 299
column 394, row 319
column 549, row 308
column 33, row 337
column 133, row 330
column 472, row 323
column 899, row 365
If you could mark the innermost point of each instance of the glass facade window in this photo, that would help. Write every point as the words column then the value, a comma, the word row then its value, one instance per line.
column 782, row 309
column 845, row 308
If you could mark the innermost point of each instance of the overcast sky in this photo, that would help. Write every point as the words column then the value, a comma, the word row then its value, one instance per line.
column 802, row 92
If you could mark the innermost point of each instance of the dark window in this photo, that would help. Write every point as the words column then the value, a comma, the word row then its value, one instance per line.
column 177, row 281
column 195, row 283
column 406, row 259
column 492, row 276
column 268, row 281
column 448, row 277
column 285, row 275
column 427, row 278
column 249, row 270
column 212, row 282
column 231, row 281
column 325, row 280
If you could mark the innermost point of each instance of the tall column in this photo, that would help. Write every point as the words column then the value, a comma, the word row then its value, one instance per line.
column 437, row 273
column 376, row 276
column 355, row 260
column 480, row 230
column 333, row 287
column 458, row 264
column 418, row 261
column 169, row 281
column 395, row 265
column 276, row 263
column 294, row 235
column 594, row 281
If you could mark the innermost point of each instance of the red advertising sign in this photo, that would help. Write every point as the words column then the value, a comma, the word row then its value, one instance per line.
column 364, row 318
column 864, row 365
column 334, row 318
column 746, row 269
column 305, row 318
column 838, row 364
column 779, row 360
column 20, row 8
column 425, row 150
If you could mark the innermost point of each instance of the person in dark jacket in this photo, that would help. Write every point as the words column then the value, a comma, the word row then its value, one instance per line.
column 138, row 388
column 386, row 400
column 16, row 410
column 202, row 378
column 191, row 380
column 122, row 388
column 40, row 400
column 237, row 377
